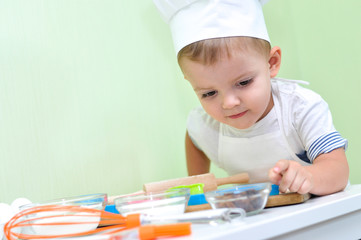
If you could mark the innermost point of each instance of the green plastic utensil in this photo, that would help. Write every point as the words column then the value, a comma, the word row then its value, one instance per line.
column 196, row 188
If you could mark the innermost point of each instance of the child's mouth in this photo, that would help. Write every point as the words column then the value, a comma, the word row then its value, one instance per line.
column 238, row 115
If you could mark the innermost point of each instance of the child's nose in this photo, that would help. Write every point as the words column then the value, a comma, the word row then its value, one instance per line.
column 230, row 101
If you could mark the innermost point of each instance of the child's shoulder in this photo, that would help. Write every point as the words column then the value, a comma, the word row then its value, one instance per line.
column 298, row 103
column 292, row 92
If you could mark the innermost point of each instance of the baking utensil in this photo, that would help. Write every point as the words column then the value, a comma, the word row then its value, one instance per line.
column 198, row 207
column 73, row 217
column 196, row 193
column 275, row 190
column 111, row 198
column 287, row 199
column 54, row 221
column 251, row 197
column 272, row 201
column 148, row 232
column 161, row 203
column 196, row 188
column 209, row 180
column 207, row 216
column 95, row 201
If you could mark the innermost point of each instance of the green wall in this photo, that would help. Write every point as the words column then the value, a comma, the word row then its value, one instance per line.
column 92, row 100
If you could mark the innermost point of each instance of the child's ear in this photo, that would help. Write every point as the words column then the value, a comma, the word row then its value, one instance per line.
column 274, row 61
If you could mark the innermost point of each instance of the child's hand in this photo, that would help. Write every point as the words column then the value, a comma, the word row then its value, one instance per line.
column 292, row 176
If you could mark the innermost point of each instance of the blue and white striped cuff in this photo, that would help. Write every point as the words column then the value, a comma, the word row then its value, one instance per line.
column 326, row 144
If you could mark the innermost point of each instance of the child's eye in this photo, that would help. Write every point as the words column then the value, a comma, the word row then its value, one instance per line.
column 208, row 94
column 244, row 83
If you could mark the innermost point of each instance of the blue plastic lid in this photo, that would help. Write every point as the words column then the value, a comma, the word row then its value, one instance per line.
column 275, row 190
column 111, row 208
column 197, row 199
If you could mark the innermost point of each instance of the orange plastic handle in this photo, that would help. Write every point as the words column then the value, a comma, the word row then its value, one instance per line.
column 133, row 220
column 149, row 232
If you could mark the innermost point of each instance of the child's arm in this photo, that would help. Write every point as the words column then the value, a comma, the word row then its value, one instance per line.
column 328, row 174
column 197, row 161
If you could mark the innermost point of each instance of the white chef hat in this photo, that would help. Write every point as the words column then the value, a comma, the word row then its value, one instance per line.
column 194, row 20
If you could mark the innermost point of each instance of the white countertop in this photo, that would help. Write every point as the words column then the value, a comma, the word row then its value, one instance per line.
column 335, row 216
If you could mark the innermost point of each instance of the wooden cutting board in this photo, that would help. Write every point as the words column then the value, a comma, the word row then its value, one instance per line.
column 287, row 199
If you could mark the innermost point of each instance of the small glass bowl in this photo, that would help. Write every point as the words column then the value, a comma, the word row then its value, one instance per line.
column 95, row 201
column 251, row 197
column 54, row 220
column 157, row 204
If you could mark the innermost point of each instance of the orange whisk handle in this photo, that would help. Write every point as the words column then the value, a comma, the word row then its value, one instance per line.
column 149, row 232
column 133, row 220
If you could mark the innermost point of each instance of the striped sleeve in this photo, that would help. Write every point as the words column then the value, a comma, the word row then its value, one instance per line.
column 325, row 144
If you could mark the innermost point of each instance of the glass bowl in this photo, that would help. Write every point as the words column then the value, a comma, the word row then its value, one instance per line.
column 53, row 220
column 251, row 197
column 95, row 201
column 158, row 204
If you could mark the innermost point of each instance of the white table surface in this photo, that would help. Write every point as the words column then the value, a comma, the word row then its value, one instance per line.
column 335, row 216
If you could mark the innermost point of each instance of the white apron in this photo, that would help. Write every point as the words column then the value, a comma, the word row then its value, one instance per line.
column 256, row 155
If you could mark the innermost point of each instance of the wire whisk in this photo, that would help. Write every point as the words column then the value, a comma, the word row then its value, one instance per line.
column 69, row 221
column 60, row 221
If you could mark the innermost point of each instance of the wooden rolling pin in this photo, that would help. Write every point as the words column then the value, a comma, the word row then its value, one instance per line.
column 210, row 182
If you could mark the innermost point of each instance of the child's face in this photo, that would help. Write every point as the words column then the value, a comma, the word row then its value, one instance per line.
column 235, row 91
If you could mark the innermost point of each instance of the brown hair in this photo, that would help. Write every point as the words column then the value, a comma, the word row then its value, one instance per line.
column 210, row 51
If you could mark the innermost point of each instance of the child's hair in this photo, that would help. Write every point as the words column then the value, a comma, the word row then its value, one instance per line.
column 210, row 51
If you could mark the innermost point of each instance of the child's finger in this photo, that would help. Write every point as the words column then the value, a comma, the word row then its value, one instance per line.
column 297, row 183
column 274, row 177
column 288, row 178
column 281, row 166
column 275, row 173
